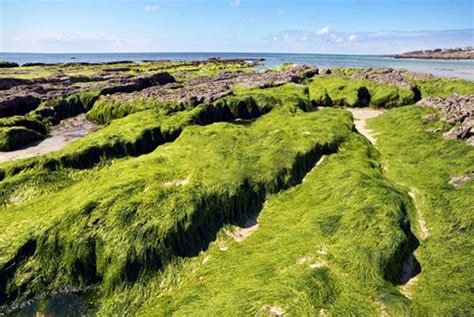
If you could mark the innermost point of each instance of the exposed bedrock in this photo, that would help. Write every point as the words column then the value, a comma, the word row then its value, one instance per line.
column 18, row 104
column 457, row 110
column 209, row 89
column 72, row 100
column 21, row 96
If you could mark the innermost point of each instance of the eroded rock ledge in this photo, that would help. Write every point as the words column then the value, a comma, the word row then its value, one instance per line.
column 457, row 110
column 209, row 89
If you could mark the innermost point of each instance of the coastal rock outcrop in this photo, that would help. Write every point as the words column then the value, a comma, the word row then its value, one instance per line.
column 208, row 89
column 5, row 64
column 439, row 53
column 20, row 96
column 386, row 75
column 17, row 104
column 457, row 110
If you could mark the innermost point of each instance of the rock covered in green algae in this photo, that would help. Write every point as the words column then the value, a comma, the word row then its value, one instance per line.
column 146, row 206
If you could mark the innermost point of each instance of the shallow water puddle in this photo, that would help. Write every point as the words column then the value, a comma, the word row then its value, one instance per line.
column 68, row 131
column 62, row 304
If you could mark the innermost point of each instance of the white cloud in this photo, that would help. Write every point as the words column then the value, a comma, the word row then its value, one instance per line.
column 385, row 42
column 152, row 7
column 78, row 42
column 247, row 21
column 71, row 38
column 323, row 31
column 336, row 38
column 352, row 38
column 235, row 3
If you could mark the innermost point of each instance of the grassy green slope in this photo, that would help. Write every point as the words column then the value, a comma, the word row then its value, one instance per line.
column 425, row 163
column 439, row 87
column 324, row 245
column 126, row 220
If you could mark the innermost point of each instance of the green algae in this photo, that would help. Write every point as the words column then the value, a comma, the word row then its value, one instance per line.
column 12, row 138
column 439, row 87
column 318, row 247
column 148, row 206
column 336, row 90
column 24, row 121
column 424, row 163
column 54, row 110
column 190, row 193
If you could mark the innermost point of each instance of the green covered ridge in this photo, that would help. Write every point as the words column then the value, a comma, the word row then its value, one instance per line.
column 424, row 165
column 153, row 207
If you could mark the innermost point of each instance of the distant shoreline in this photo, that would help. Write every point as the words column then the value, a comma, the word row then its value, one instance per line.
column 440, row 54
column 444, row 68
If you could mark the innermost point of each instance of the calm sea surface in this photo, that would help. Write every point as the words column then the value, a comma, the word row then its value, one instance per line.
column 447, row 68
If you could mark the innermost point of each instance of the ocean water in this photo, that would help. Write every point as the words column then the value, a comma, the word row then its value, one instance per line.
column 446, row 68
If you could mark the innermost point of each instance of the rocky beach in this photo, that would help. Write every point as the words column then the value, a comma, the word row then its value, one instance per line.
column 303, row 190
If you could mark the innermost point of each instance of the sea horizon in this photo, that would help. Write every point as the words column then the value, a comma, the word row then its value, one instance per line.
column 463, row 69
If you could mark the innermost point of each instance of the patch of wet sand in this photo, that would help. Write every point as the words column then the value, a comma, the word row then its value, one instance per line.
column 361, row 115
column 68, row 131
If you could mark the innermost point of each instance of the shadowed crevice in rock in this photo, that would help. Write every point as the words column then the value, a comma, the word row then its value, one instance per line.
column 8, row 270
column 404, row 266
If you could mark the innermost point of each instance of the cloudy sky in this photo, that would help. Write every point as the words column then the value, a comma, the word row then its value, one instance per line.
column 300, row 26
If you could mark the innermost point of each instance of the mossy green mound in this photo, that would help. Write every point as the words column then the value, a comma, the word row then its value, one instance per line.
column 439, row 87
column 157, row 207
column 318, row 247
column 24, row 121
column 334, row 90
column 12, row 138
column 54, row 110
column 176, row 191
column 244, row 103
column 425, row 163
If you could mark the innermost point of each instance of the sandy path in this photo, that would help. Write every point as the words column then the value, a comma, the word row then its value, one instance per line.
column 361, row 115
column 67, row 131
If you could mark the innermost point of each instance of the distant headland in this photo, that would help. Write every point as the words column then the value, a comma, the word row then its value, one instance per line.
column 439, row 53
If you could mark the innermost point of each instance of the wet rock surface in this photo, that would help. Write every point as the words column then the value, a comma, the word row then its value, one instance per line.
column 109, row 80
column 66, row 300
column 208, row 89
column 18, row 104
column 389, row 76
column 457, row 110
column 25, row 95
column 68, row 131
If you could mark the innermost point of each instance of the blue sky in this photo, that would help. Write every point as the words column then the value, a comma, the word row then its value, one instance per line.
column 302, row 26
